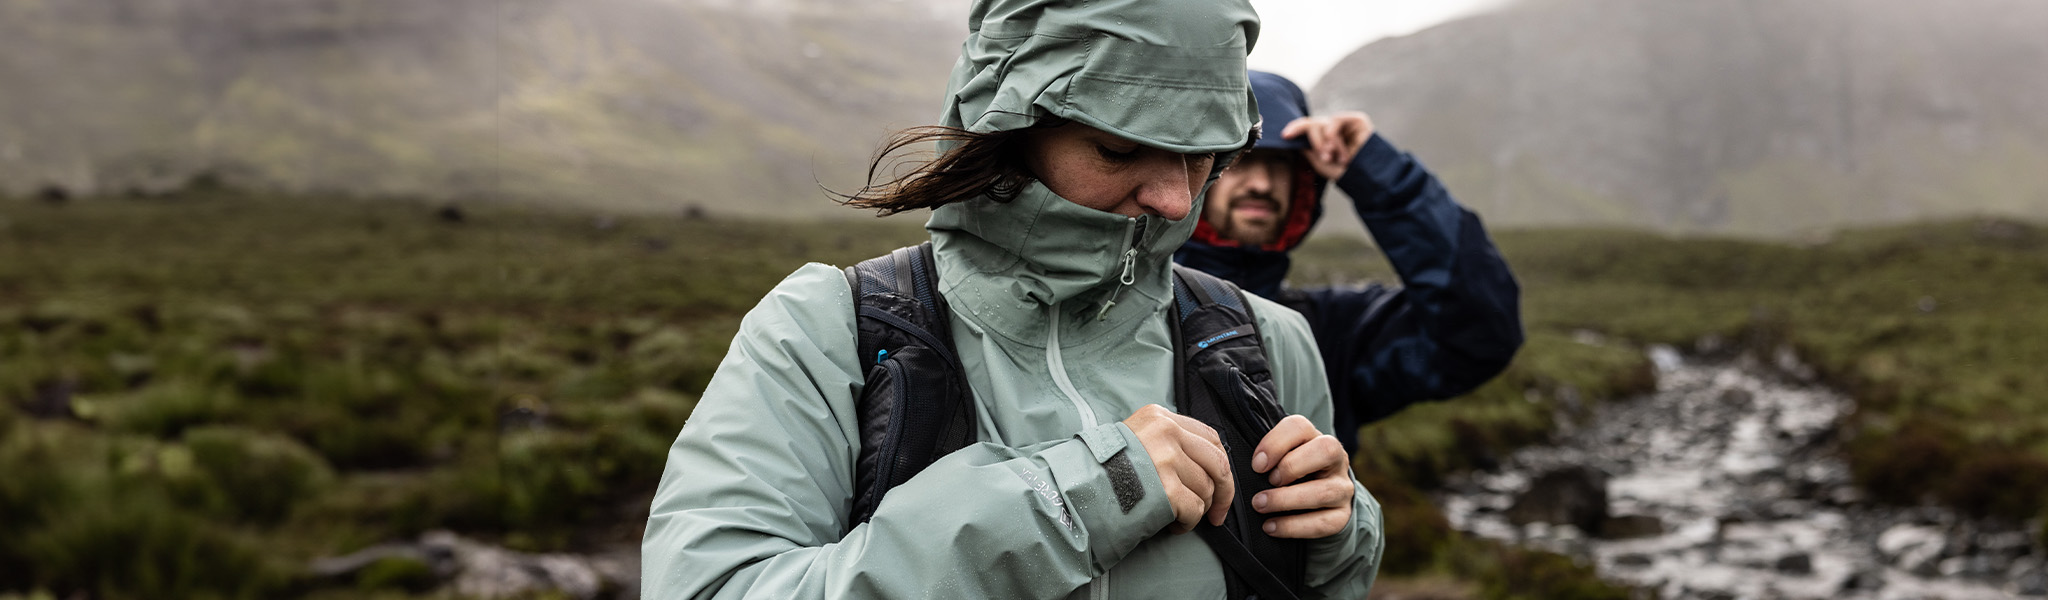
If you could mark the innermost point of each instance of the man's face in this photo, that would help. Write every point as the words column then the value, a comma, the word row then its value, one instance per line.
column 1249, row 202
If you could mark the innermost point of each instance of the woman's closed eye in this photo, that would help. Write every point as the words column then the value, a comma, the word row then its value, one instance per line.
column 1115, row 155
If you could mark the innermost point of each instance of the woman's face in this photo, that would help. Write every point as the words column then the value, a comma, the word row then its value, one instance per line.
column 1099, row 170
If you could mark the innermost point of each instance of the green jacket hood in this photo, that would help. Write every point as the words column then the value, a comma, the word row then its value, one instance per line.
column 1168, row 77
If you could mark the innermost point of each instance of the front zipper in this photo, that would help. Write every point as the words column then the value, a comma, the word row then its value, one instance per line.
column 1054, row 362
column 1133, row 229
column 1058, row 366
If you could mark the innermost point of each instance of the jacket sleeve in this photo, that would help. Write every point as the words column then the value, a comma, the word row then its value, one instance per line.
column 755, row 497
column 1456, row 322
column 1342, row 565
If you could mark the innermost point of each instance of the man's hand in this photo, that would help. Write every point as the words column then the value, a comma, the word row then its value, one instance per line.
column 1191, row 463
column 1312, row 474
column 1333, row 140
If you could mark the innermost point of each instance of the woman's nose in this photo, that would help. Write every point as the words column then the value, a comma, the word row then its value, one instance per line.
column 1166, row 188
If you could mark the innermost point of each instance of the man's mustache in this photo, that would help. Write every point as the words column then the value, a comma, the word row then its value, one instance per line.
column 1259, row 196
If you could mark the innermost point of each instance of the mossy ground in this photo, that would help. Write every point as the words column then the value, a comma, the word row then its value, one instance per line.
column 260, row 381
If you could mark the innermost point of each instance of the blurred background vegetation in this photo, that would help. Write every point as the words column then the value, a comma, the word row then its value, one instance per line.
column 207, row 391
column 227, row 351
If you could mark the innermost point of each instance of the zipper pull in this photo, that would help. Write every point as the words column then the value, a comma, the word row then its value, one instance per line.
column 1130, row 275
column 1130, row 268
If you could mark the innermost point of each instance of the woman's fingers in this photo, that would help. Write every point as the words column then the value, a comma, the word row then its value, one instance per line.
column 1289, row 433
column 1310, row 472
column 1321, row 454
column 1314, row 494
column 1191, row 463
column 1187, row 505
column 1310, row 525
column 1205, row 448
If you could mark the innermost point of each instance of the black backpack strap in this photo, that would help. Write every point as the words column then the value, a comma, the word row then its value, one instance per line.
column 915, row 405
column 1225, row 381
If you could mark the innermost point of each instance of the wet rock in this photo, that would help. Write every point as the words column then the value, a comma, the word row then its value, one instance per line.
column 1795, row 564
column 485, row 571
column 1634, row 560
column 1626, row 527
column 477, row 570
column 1845, row 496
column 2007, row 545
column 1869, row 579
column 1787, row 361
column 2031, row 582
column 1736, row 398
column 1915, row 548
column 1968, row 566
column 1574, row 495
column 347, row 566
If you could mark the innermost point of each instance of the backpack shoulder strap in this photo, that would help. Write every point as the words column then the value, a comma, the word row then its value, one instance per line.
column 915, row 405
column 1225, row 381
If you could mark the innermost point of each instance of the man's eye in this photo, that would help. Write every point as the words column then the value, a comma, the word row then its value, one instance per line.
column 1112, row 155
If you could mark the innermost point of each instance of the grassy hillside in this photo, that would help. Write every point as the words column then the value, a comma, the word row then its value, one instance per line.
column 646, row 105
column 202, row 392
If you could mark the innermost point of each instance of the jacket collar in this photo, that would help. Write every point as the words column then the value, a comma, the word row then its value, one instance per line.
column 1004, row 263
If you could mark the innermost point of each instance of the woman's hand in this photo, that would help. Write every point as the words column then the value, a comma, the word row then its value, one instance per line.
column 1191, row 463
column 1312, row 474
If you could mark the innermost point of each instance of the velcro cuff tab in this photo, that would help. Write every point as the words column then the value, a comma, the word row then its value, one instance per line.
column 1106, row 440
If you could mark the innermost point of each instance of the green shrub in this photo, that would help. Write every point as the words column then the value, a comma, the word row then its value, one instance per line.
column 136, row 545
column 259, row 476
column 1522, row 574
column 163, row 410
column 396, row 573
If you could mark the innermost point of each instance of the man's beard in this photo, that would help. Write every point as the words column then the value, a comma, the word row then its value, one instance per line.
column 1252, row 233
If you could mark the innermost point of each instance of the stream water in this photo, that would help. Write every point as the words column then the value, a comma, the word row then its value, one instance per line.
column 1727, row 483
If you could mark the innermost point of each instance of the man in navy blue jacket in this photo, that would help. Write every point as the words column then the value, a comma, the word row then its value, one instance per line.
column 1455, row 323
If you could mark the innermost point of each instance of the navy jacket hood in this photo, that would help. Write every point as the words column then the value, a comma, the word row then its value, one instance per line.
column 1261, row 270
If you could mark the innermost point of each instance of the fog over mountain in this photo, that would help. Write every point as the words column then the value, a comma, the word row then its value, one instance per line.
column 1757, row 116
column 743, row 107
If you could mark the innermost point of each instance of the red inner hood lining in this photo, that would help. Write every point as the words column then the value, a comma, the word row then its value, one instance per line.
column 1300, row 214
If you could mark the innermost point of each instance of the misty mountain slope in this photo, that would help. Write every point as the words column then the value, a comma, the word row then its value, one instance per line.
column 1738, row 115
column 648, row 104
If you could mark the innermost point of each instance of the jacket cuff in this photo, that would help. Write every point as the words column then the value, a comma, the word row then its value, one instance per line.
column 1372, row 174
column 1353, row 553
column 1114, row 492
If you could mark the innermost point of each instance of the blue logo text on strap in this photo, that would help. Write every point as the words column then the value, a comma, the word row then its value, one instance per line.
column 1205, row 344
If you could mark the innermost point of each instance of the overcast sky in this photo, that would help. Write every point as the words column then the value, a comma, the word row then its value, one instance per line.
column 1302, row 39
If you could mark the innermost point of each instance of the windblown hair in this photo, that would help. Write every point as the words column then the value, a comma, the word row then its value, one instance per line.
column 981, row 164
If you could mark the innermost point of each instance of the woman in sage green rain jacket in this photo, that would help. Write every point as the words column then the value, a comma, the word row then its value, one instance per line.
column 755, row 499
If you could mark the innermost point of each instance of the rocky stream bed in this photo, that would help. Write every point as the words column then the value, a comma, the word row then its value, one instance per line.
column 1726, row 483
